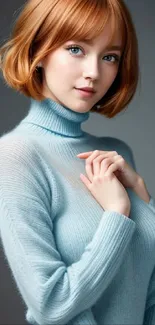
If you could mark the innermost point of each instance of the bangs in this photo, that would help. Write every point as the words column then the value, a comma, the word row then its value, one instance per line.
column 88, row 19
column 83, row 20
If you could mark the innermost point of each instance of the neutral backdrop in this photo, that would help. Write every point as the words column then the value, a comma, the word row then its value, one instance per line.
column 135, row 125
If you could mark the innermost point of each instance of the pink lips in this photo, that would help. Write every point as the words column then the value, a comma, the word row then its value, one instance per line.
column 85, row 93
column 89, row 89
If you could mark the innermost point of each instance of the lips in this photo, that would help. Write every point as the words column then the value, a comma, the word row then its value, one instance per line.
column 84, row 94
column 86, row 90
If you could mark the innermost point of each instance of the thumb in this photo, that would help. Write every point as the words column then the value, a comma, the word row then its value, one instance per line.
column 85, row 180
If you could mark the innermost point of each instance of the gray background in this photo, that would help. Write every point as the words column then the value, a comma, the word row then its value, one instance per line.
column 135, row 126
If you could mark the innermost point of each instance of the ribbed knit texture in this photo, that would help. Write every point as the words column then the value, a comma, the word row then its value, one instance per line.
column 73, row 263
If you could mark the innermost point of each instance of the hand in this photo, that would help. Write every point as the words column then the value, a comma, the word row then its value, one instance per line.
column 104, row 185
column 125, row 173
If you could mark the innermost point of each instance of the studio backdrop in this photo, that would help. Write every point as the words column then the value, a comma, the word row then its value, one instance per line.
column 135, row 125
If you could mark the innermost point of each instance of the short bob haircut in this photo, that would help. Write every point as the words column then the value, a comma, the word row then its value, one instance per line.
column 45, row 25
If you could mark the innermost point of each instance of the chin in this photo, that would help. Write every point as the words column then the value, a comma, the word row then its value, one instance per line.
column 82, row 108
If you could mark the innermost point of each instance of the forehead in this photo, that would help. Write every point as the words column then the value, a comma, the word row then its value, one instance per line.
column 107, row 35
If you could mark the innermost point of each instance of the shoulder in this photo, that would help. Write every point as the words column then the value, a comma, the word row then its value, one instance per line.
column 17, row 146
column 22, row 154
column 26, row 154
column 23, row 167
column 21, row 143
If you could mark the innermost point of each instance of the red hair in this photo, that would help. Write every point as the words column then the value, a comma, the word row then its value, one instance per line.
column 44, row 25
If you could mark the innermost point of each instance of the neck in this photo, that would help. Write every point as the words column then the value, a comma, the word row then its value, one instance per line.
column 56, row 118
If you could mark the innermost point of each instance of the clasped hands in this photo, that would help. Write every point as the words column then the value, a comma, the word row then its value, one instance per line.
column 103, row 165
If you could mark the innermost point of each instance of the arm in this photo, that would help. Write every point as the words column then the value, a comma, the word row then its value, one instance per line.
column 53, row 292
column 152, row 203
column 84, row 318
column 149, row 316
column 142, row 192
column 140, row 189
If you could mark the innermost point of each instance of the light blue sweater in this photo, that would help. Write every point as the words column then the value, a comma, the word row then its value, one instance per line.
column 73, row 262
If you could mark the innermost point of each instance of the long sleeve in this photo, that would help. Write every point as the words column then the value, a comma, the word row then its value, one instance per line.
column 130, row 159
column 86, row 317
column 152, row 203
column 53, row 292
column 149, row 317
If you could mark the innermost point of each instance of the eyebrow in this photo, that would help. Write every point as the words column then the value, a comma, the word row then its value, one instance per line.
column 110, row 48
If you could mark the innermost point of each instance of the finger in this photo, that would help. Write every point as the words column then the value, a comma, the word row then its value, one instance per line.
column 97, row 163
column 105, row 165
column 93, row 162
column 121, row 162
column 89, row 165
column 112, row 168
column 84, row 155
column 88, row 153
column 96, row 167
column 85, row 180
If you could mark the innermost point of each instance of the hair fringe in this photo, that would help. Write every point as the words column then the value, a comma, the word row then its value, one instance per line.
column 43, row 26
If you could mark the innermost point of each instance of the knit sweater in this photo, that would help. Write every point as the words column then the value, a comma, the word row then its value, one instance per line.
column 72, row 261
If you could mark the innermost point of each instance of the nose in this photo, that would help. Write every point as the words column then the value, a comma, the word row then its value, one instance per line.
column 91, row 69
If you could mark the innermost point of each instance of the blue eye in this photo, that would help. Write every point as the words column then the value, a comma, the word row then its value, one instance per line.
column 113, row 58
column 73, row 48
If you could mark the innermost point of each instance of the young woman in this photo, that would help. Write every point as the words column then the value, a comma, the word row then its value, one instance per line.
column 77, row 222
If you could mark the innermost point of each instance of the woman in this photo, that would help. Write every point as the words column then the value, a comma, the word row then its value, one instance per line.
column 80, row 247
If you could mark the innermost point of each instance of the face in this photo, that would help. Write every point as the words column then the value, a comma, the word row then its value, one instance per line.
column 81, row 64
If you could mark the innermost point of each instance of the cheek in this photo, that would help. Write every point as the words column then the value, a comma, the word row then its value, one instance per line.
column 112, row 75
column 64, row 67
column 108, row 78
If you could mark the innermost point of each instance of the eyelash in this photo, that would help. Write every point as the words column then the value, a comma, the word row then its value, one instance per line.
column 117, row 58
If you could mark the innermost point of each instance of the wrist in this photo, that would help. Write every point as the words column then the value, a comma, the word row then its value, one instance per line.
column 124, row 211
column 141, row 190
column 122, row 208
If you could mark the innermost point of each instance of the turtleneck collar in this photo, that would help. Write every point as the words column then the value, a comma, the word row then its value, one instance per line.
column 55, row 117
